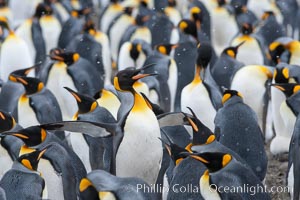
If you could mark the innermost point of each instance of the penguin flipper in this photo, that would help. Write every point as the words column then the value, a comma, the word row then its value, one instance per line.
column 90, row 128
column 172, row 119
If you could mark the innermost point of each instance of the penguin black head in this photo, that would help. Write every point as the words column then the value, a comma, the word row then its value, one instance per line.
column 42, row 9
column 275, row 50
column 165, row 49
column 176, row 152
column 31, row 85
column 172, row 3
column 239, row 8
column 125, row 79
column 232, row 51
column 229, row 94
column 204, row 51
column 67, row 57
column 89, row 26
column 31, row 160
column 144, row 3
column 31, row 136
column 128, row 11
column 134, row 50
column 281, row 75
column 196, row 14
column 201, row 134
column 85, row 103
column 7, row 122
column 213, row 161
column 188, row 27
column 247, row 29
column 141, row 19
column 288, row 88
column 4, row 24
column 3, row 3
column 81, row 12
column 221, row 3
column 267, row 14
column 87, row 190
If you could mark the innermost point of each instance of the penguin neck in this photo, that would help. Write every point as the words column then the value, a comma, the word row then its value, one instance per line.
column 197, row 78
column 205, row 186
column 60, row 64
column 139, row 103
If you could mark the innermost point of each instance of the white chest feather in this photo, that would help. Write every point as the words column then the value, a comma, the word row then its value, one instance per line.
column 140, row 151
column 250, row 52
column 290, row 180
column 57, row 79
column 5, row 160
column 26, row 114
column 207, row 192
column 172, row 82
column 13, row 45
column 142, row 33
column 51, row 31
column 288, row 117
column 81, row 148
column 109, row 15
column 53, row 180
column 196, row 97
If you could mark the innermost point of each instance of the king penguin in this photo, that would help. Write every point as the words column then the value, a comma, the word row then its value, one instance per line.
column 138, row 144
column 198, row 94
column 255, row 90
column 245, row 137
column 223, row 170
column 22, row 181
column 13, row 45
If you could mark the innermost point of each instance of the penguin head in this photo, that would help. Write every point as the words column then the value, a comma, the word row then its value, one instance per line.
column 21, row 72
column 247, row 28
column 140, row 20
column 281, row 74
column 3, row 3
column 232, row 51
column 267, row 14
column 31, row 136
column 214, row 161
column 196, row 14
column 172, row 3
column 275, row 50
column 7, row 122
column 67, row 57
column 4, row 24
column 288, row 88
column 31, row 85
column 201, row 134
column 42, row 9
column 89, row 27
column 82, row 12
column 188, row 27
column 228, row 94
column 85, row 103
column 125, row 79
column 204, row 51
column 31, row 160
column 144, row 3
column 239, row 7
column 134, row 50
column 165, row 49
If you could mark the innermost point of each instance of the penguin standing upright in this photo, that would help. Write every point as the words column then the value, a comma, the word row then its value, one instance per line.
column 70, row 70
column 117, row 29
column 172, row 13
column 260, row 7
column 255, row 90
column 35, row 104
column 223, row 27
column 252, row 51
column 198, row 95
column 109, row 13
column 13, row 45
column 29, row 183
column 138, row 144
column 245, row 137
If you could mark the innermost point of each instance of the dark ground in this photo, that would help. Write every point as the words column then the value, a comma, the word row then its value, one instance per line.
column 276, row 175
